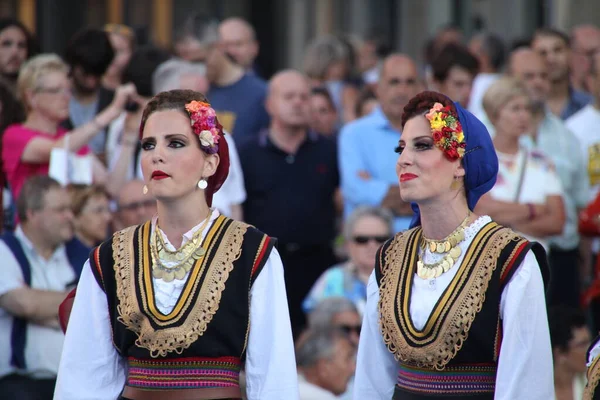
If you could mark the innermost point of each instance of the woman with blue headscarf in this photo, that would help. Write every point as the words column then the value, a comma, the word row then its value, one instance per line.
column 456, row 305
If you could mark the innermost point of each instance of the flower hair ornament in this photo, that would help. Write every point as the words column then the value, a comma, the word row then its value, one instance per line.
column 205, row 125
column 447, row 131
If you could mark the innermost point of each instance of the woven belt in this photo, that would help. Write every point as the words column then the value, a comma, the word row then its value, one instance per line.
column 182, row 394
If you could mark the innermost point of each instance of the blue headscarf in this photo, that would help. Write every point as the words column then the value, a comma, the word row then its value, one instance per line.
column 480, row 161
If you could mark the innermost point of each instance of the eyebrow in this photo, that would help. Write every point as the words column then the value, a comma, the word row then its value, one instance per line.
column 417, row 138
column 168, row 136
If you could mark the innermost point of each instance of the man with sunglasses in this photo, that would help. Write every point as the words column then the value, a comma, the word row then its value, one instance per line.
column 133, row 208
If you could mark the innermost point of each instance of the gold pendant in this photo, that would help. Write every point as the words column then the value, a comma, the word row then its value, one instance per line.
column 180, row 273
column 455, row 252
column 168, row 276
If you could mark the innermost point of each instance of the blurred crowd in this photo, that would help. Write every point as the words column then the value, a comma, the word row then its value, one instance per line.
column 312, row 164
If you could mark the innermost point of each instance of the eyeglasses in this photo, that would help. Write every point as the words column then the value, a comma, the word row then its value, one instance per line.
column 138, row 204
column 348, row 329
column 360, row 239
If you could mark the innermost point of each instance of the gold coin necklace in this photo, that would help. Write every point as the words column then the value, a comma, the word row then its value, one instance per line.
column 449, row 246
column 185, row 257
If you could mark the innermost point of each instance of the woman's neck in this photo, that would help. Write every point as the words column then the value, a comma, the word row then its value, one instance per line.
column 177, row 217
column 441, row 219
column 40, row 123
column 506, row 144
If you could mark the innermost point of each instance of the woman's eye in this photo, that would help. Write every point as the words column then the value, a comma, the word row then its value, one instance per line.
column 176, row 144
column 423, row 146
column 147, row 146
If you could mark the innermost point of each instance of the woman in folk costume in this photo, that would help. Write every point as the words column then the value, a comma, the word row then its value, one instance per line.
column 173, row 308
column 456, row 305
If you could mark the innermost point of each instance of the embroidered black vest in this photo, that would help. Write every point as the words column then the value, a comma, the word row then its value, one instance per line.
column 202, row 342
column 456, row 352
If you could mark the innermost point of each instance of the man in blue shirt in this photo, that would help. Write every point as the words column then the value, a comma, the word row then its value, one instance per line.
column 554, row 46
column 366, row 146
column 236, row 96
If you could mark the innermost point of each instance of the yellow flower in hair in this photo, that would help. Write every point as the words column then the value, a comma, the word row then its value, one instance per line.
column 437, row 123
column 460, row 136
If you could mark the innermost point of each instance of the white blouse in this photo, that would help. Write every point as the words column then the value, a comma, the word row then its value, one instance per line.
column 91, row 368
column 525, row 363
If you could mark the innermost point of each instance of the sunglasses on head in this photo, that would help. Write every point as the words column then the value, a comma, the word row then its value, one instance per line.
column 348, row 329
column 365, row 239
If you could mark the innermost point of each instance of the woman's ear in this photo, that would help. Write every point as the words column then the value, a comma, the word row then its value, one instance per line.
column 460, row 171
column 211, row 162
column 29, row 99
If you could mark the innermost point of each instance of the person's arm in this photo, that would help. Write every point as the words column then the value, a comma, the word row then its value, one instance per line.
column 525, row 370
column 549, row 223
column 32, row 304
column 118, row 174
column 270, row 362
column 504, row 212
column 38, row 149
column 376, row 368
column 90, row 366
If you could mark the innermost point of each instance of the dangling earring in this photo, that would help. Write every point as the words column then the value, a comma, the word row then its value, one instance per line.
column 202, row 184
column 455, row 185
column 145, row 189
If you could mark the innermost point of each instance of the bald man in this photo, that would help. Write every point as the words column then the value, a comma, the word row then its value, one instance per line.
column 585, row 41
column 239, row 39
column 556, row 141
column 291, row 177
column 367, row 160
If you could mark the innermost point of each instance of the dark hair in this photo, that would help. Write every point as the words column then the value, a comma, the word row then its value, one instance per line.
column 33, row 194
column 365, row 95
column 553, row 32
column 201, row 27
column 91, row 50
column 32, row 45
column 453, row 55
column 561, row 321
column 494, row 48
column 519, row 43
column 322, row 91
column 141, row 67
column 422, row 103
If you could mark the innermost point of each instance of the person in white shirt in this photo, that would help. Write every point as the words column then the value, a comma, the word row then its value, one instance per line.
column 455, row 306
column 490, row 52
column 527, row 195
column 326, row 362
column 175, row 307
column 37, row 272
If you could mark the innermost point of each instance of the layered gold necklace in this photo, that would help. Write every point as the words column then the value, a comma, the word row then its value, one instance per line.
column 449, row 247
column 185, row 257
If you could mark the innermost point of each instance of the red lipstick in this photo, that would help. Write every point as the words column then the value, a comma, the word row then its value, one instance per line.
column 407, row 177
column 159, row 175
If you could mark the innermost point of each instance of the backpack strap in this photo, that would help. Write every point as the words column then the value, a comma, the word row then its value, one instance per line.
column 18, row 336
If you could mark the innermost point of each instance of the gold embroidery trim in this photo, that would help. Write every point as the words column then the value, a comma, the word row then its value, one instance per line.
column 593, row 375
column 176, row 339
column 192, row 280
column 458, row 308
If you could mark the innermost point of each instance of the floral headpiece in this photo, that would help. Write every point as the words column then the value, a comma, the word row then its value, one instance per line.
column 447, row 131
column 205, row 125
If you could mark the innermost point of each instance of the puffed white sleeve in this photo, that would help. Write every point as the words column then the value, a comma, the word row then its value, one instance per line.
column 90, row 366
column 376, row 368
